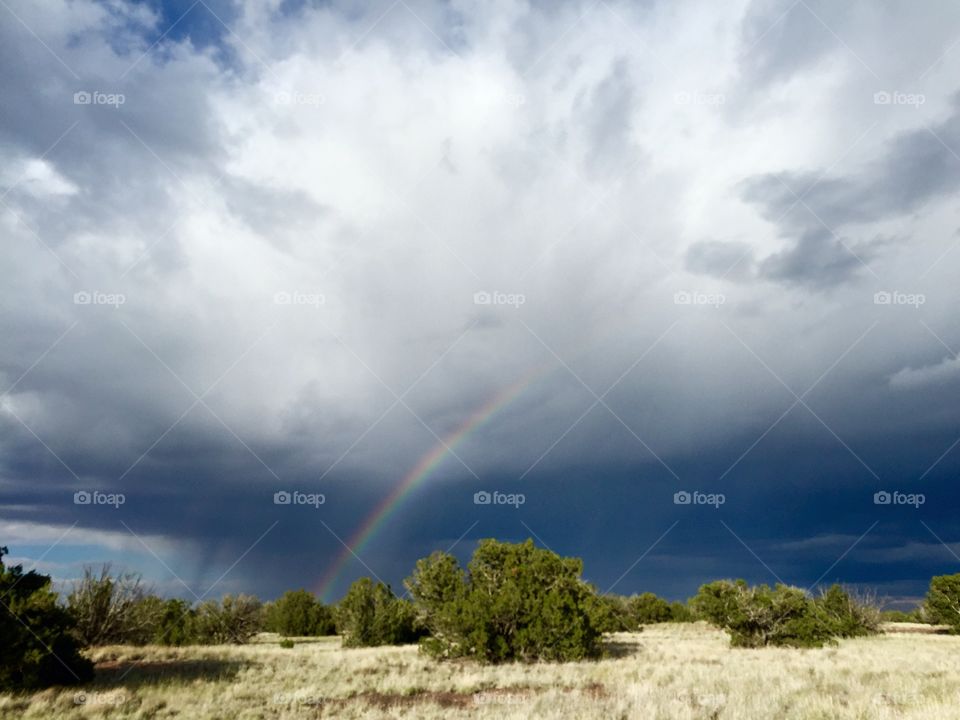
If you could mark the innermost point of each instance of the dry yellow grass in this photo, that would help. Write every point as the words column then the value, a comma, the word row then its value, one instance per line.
column 668, row 671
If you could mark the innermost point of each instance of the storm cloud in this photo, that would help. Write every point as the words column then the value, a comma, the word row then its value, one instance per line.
column 598, row 254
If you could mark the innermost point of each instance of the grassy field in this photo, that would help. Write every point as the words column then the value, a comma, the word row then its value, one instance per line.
column 667, row 671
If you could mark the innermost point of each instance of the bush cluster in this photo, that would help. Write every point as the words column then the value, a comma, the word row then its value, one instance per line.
column 511, row 602
column 113, row 609
column 783, row 616
column 617, row 613
column 514, row 602
column 917, row 615
column 37, row 644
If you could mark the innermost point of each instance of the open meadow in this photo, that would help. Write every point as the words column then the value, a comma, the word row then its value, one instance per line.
column 682, row 671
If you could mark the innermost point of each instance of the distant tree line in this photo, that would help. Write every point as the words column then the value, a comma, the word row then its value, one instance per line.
column 512, row 602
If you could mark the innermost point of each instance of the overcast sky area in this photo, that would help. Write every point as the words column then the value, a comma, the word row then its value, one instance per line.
column 610, row 256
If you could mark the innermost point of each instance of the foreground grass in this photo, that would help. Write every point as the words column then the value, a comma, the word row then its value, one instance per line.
column 668, row 671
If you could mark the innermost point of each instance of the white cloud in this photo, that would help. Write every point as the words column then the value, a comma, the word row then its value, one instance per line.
column 944, row 371
column 36, row 177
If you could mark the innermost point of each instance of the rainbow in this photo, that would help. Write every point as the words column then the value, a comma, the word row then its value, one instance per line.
column 420, row 472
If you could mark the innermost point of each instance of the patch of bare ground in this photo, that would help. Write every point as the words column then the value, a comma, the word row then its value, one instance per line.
column 451, row 699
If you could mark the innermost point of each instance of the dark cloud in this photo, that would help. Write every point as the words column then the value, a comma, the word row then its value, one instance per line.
column 915, row 167
column 607, row 114
column 721, row 259
column 811, row 210
column 781, row 38
column 818, row 259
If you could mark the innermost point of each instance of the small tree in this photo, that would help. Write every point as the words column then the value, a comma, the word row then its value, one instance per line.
column 37, row 644
column 174, row 623
column 370, row 615
column 942, row 604
column 516, row 602
column 298, row 613
column 109, row 610
column 234, row 620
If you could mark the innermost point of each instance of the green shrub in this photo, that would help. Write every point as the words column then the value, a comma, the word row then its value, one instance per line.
column 717, row 601
column 37, row 641
column 286, row 644
column 298, row 613
column 616, row 613
column 942, row 604
column 608, row 613
column 174, row 622
column 759, row 616
column 847, row 615
column 902, row 616
column 679, row 612
column 370, row 615
column 648, row 609
column 515, row 602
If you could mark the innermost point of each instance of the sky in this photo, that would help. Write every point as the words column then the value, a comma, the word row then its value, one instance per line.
column 296, row 292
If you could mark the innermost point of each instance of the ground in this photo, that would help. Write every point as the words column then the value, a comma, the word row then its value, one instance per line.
column 667, row 671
